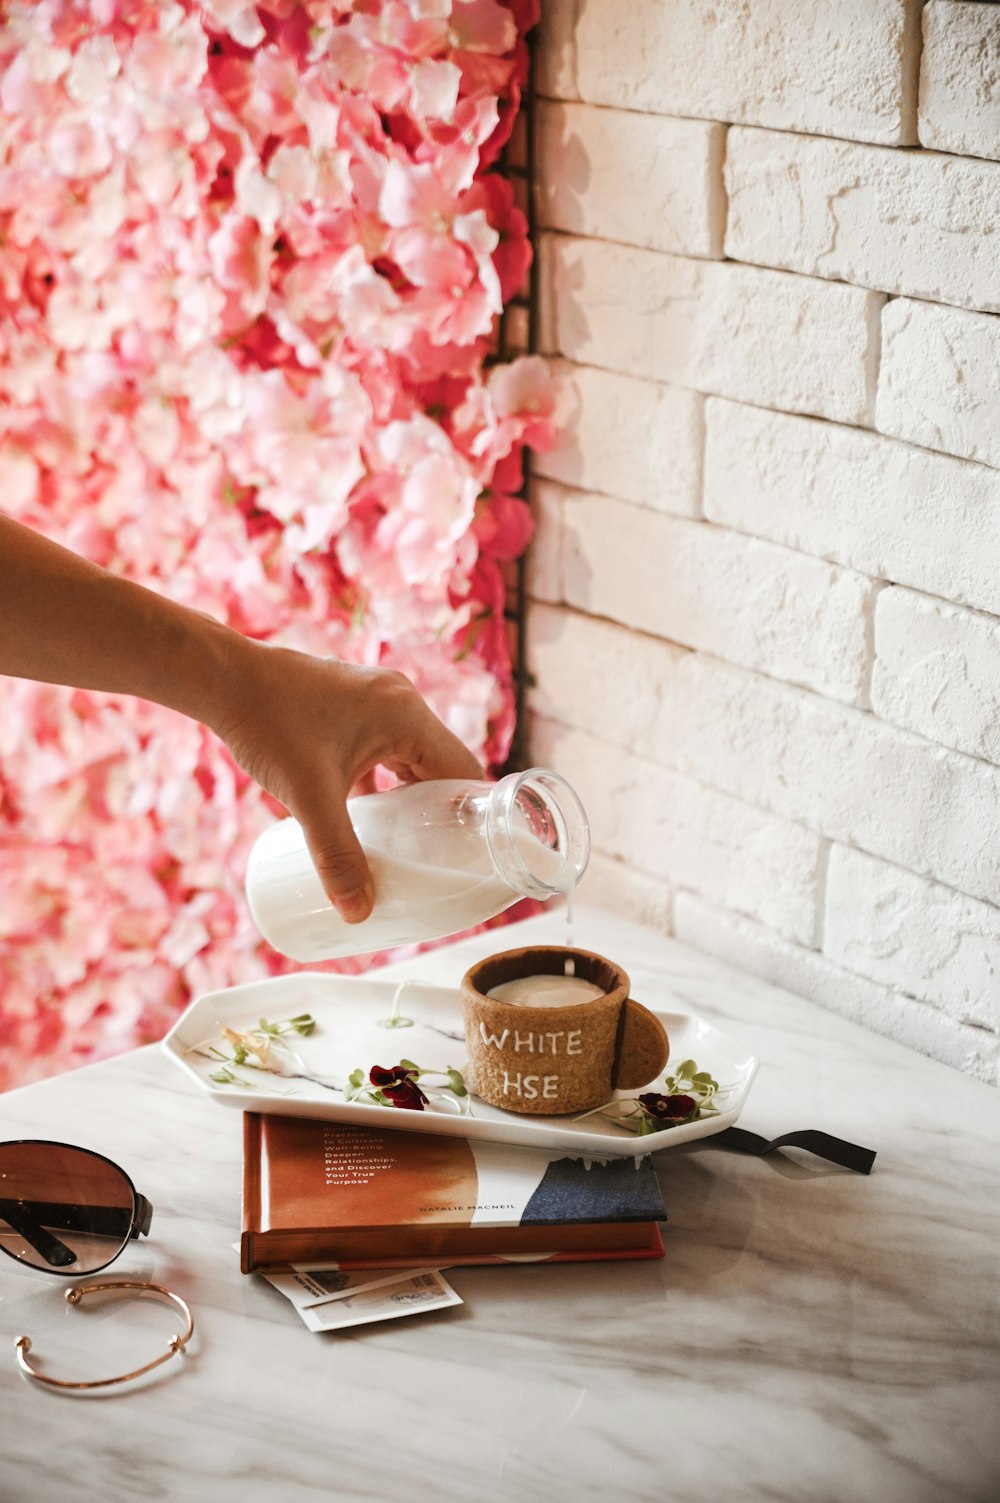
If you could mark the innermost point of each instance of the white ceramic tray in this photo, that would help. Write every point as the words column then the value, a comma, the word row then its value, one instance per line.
column 350, row 1013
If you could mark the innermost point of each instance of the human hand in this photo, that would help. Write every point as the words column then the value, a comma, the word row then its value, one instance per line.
column 311, row 731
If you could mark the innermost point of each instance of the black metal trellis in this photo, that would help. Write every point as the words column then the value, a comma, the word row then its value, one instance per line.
column 526, row 302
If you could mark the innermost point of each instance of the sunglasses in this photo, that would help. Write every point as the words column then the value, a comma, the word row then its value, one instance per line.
column 66, row 1210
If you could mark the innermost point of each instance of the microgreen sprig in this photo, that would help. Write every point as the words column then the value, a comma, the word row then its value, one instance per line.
column 265, row 1047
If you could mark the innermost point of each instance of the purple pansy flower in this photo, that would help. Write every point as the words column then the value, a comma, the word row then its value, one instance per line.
column 399, row 1086
column 672, row 1110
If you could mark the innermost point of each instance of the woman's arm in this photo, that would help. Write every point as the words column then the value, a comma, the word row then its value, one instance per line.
column 307, row 729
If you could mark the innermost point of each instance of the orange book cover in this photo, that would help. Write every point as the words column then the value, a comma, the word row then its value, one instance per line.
column 360, row 1196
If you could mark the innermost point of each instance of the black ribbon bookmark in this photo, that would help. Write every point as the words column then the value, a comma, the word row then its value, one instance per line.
column 823, row 1144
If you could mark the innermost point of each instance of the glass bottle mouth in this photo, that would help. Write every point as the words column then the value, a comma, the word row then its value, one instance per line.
column 538, row 833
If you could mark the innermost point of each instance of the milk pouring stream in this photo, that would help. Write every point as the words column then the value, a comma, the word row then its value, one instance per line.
column 444, row 856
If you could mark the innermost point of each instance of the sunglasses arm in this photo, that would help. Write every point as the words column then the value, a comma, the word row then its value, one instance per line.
column 55, row 1253
column 143, row 1216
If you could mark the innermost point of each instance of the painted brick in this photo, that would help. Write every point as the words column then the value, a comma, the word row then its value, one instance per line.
column 938, row 382
column 628, row 310
column 619, row 684
column 517, row 331
column 937, row 671
column 641, row 179
column 516, row 150
column 933, row 943
column 617, row 887
column 960, row 78
column 837, row 770
column 752, row 948
column 770, row 337
column 918, row 223
column 843, row 772
column 753, row 603
column 548, row 334
column 638, row 440
column 544, row 561
column 557, row 49
column 885, row 508
column 841, row 70
column 672, row 827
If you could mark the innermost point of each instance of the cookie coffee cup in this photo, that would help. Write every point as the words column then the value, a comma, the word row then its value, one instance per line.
column 562, row 1054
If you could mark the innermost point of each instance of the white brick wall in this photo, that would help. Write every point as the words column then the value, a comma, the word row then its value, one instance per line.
column 794, row 64
column 887, row 509
column 765, row 584
column 791, row 616
column 936, row 944
column 618, row 885
column 544, row 572
column 937, row 671
column 753, row 947
column 637, row 440
column 672, row 827
column 916, row 223
column 837, row 770
column 619, row 176
column 713, row 326
column 940, row 378
column 960, row 78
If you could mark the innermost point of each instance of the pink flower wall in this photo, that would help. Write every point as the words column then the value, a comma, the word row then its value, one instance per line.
column 251, row 263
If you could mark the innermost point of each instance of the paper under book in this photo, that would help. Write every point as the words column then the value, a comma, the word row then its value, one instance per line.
column 319, row 1191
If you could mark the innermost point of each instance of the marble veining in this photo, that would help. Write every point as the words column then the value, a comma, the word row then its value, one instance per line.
column 811, row 1334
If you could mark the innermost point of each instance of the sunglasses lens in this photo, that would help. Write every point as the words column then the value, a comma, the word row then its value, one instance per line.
column 62, row 1209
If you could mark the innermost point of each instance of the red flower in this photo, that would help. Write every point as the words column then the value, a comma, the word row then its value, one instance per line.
column 672, row 1109
column 504, row 527
column 399, row 1086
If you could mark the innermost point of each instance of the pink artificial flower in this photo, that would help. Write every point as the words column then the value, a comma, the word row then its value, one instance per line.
column 19, row 478
column 240, row 259
column 238, row 18
column 527, row 390
column 250, row 266
column 482, row 26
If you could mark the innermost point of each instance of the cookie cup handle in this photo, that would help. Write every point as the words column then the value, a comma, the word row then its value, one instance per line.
column 643, row 1047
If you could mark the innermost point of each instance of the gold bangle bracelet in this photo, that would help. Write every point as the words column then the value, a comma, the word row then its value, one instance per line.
column 175, row 1347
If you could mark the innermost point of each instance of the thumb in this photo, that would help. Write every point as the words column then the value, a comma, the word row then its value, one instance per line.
column 340, row 862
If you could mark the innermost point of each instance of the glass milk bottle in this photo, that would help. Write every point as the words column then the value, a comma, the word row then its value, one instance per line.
column 444, row 856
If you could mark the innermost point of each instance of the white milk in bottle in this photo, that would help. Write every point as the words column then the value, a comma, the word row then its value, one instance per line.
column 444, row 856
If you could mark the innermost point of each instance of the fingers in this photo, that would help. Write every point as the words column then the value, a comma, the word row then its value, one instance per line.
column 367, row 783
column 340, row 862
column 310, row 729
column 434, row 751
column 453, row 761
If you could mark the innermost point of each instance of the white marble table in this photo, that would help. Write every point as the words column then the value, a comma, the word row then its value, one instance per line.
column 812, row 1334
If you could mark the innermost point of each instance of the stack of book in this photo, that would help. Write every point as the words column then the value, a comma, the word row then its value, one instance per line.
column 360, row 1197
